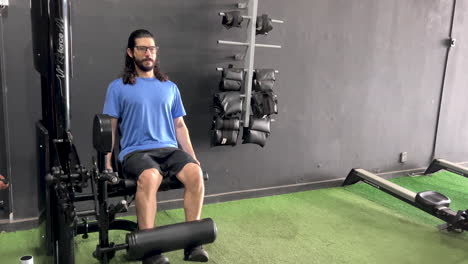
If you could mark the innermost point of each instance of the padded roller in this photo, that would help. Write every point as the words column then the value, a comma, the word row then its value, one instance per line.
column 168, row 183
column 129, row 186
column 102, row 133
column 171, row 237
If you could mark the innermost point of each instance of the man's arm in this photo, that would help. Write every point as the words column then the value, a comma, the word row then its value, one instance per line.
column 109, row 155
column 2, row 184
column 183, row 137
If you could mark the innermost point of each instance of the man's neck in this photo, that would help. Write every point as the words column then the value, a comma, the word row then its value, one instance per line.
column 142, row 74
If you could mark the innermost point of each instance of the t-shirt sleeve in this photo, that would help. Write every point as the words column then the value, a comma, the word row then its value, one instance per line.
column 111, row 104
column 178, row 109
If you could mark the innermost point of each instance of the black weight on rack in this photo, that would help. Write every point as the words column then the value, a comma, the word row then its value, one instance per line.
column 232, row 19
column 257, row 132
column 232, row 79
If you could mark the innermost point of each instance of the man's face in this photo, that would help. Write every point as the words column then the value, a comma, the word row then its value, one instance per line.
column 144, row 54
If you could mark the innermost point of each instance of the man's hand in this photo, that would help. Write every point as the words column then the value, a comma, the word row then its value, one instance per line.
column 3, row 185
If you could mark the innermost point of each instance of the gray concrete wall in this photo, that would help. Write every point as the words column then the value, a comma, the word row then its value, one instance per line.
column 359, row 83
column 452, row 136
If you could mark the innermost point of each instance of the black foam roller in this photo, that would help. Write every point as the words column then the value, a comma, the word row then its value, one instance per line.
column 170, row 237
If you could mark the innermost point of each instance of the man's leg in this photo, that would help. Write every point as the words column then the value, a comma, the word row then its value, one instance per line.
column 194, row 190
column 145, row 202
column 145, row 198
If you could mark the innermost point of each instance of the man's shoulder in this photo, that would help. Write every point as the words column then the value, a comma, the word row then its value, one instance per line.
column 116, row 86
column 173, row 86
column 116, row 82
column 169, row 83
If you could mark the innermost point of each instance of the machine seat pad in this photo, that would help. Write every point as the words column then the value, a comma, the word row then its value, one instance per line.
column 129, row 186
column 432, row 199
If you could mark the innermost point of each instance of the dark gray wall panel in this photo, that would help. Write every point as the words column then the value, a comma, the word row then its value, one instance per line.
column 359, row 83
column 452, row 138
column 4, row 195
column 366, row 82
column 24, row 107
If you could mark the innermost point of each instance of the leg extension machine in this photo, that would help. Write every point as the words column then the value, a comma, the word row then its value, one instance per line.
column 65, row 177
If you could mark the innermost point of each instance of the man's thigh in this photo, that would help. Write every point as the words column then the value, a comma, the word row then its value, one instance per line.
column 168, row 161
column 175, row 162
column 135, row 163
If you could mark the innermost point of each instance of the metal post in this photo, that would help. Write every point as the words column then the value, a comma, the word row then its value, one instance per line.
column 249, row 59
column 66, row 54
column 60, row 65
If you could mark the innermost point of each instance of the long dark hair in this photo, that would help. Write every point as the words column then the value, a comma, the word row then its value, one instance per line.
column 129, row 73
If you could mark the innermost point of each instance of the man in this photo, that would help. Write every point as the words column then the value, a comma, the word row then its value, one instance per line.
column 3, row 184
column 148, row 109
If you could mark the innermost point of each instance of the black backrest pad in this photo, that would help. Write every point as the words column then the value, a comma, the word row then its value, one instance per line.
column 102, row 133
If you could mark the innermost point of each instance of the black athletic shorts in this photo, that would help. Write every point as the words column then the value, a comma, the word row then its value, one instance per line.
column 168, row 161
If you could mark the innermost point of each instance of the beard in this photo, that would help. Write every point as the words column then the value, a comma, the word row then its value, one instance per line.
column 143, row 67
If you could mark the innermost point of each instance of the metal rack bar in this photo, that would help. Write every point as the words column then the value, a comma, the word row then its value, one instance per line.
column 237, row 43
column 268, row 46
column 249, row 17
column 221, row 69
column 223, row 14
column 249, row 61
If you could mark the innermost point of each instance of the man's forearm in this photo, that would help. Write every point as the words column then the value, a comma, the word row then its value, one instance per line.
column 109, row 161
column 109, row 155
column 184, row 140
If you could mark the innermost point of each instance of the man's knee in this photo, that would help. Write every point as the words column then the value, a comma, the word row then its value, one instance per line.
column 149, row 179
column 191, row 175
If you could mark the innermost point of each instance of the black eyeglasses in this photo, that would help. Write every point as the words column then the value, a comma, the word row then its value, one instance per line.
column 143, row 49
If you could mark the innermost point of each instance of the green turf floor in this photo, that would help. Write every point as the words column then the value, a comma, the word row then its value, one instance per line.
column 354, row 224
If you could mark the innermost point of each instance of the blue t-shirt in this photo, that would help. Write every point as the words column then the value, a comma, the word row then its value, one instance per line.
column 146, row 111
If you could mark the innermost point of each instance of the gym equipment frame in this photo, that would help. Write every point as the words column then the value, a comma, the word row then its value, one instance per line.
column 433, row 203
column 441, row 164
